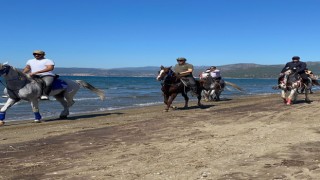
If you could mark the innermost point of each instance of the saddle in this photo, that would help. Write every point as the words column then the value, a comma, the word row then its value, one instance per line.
column 56, row 84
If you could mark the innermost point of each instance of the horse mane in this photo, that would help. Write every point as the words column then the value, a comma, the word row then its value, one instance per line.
column 20, row 73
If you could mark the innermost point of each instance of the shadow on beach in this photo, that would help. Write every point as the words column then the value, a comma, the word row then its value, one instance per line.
column 84, row 116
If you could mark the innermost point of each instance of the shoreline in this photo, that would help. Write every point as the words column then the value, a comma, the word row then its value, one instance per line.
column 253, row 137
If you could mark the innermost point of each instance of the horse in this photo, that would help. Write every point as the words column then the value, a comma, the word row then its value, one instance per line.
column 212, row 88
column 20, row 86
column 172, row 85
column 289, row 84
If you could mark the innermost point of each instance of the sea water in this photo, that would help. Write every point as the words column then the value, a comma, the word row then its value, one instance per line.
column 125, row 92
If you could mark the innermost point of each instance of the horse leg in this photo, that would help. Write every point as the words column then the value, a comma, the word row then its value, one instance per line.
column 206, row 95
column 35, row 109
column 170, row 100
column 10, row 102
column 64, row 103
column 199, row 100
column 218, row 96
column 165, row 99
column 291, row 96
column 306, row 93
column 283, row 96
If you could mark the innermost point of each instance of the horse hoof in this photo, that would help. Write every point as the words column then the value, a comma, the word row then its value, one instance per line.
column 2, row 123
column 37, row 121
column 284, row 101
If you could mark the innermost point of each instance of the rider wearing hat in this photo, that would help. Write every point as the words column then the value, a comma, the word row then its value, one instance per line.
column 41, row 67
column 184, row 70
column 297, row 66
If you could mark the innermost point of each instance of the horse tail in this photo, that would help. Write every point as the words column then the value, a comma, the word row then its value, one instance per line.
column 234, row 85
column 86, row 85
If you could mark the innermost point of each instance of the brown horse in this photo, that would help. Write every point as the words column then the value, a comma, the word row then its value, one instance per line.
column 172, row 85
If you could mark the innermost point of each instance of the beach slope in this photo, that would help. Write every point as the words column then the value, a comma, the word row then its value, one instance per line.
column 254, row 137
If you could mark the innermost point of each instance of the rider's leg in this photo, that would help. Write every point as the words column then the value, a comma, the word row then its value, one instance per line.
column 193, row 85
column 47, row 89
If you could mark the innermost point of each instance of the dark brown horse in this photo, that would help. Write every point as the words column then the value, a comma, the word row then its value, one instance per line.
column 172, row 86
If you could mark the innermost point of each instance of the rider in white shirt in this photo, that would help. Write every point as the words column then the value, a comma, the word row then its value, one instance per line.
column 41, row 67
column 215, row 73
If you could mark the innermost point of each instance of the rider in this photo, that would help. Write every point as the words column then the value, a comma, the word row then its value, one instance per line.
column 299, row 67
column 41, row 67
column 215, row 73
column 184, row 70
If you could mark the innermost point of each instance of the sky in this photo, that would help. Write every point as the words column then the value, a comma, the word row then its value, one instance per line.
column 136, row 33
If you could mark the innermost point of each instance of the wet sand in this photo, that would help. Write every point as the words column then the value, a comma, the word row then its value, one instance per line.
column 254, row 137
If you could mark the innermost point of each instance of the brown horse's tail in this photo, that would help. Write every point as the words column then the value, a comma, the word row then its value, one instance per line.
column 97, row 91
column 234, row 86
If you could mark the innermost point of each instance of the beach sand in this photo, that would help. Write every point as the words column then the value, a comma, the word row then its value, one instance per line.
column 255, row 137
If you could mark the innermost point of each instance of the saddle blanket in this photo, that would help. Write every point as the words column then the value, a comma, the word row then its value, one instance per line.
column 59, row 84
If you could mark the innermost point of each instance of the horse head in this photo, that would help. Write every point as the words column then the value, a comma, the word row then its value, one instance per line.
column 164, row 73
column 4, row 69
column 290, row 80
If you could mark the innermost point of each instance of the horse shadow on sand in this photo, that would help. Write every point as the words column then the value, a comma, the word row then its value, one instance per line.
column 83, row 116
column 207, row 106
column 302, row 102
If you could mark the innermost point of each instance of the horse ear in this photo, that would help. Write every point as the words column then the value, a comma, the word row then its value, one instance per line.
column 161, row 67
column 170, row 67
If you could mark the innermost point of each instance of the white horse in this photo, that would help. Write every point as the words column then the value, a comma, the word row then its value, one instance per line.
column 21, row 86
column 212, row 88
column 289, row 84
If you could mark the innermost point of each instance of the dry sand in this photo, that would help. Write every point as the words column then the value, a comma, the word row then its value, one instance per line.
column 254, row 137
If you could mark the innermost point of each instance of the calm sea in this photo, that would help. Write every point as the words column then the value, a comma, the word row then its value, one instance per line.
column 124, row 92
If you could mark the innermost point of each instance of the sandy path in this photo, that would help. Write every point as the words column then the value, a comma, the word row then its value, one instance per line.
column 244, row 138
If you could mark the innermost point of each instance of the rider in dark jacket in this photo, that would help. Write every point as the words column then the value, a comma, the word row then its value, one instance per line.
column 297, row 66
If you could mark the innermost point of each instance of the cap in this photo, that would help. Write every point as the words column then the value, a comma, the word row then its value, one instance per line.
column 295, row 58
column 181, row 59
column 39, row 52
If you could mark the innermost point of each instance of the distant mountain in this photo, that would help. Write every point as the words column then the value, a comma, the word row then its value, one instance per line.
column 241, row 70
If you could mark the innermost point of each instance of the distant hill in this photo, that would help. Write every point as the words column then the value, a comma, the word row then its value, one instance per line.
column 241, row 70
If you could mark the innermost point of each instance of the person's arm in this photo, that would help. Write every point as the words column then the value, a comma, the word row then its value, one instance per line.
column 185, row 73
column 285, row 68
column 48, row 68
column 26, row 69
column 303, row 67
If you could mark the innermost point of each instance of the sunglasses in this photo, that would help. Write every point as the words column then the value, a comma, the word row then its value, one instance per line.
column 37, row 54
